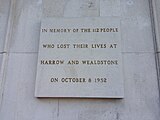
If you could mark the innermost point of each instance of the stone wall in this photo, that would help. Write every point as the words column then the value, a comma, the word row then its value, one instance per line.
column 19, row 39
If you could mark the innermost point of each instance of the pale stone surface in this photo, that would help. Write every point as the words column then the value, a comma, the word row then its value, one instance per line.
column 135, row 22
column 159, row 58
column 54, row 8
column 26, row 26
column 28, row 17
column 137, row 35
column 156, row 4
column 89, row 8
column 19, row 102
column 141, row 94
column 135, row 8
column 110, row 8
column 4, row 12
column 112, row 84
column 156, row 34
column 1, row 56
column 70, row 8
column 140, row 101
column 79, row 8
column 141, row 87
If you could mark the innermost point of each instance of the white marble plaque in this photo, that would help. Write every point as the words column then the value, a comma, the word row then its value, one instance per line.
column 80, row 57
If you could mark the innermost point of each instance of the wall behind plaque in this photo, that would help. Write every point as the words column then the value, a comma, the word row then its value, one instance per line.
column 19, row 59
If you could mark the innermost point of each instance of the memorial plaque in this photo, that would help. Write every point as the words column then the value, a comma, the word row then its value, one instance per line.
column 80, row 57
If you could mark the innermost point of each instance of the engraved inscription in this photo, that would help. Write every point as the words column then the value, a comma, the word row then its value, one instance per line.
column 80, row 57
